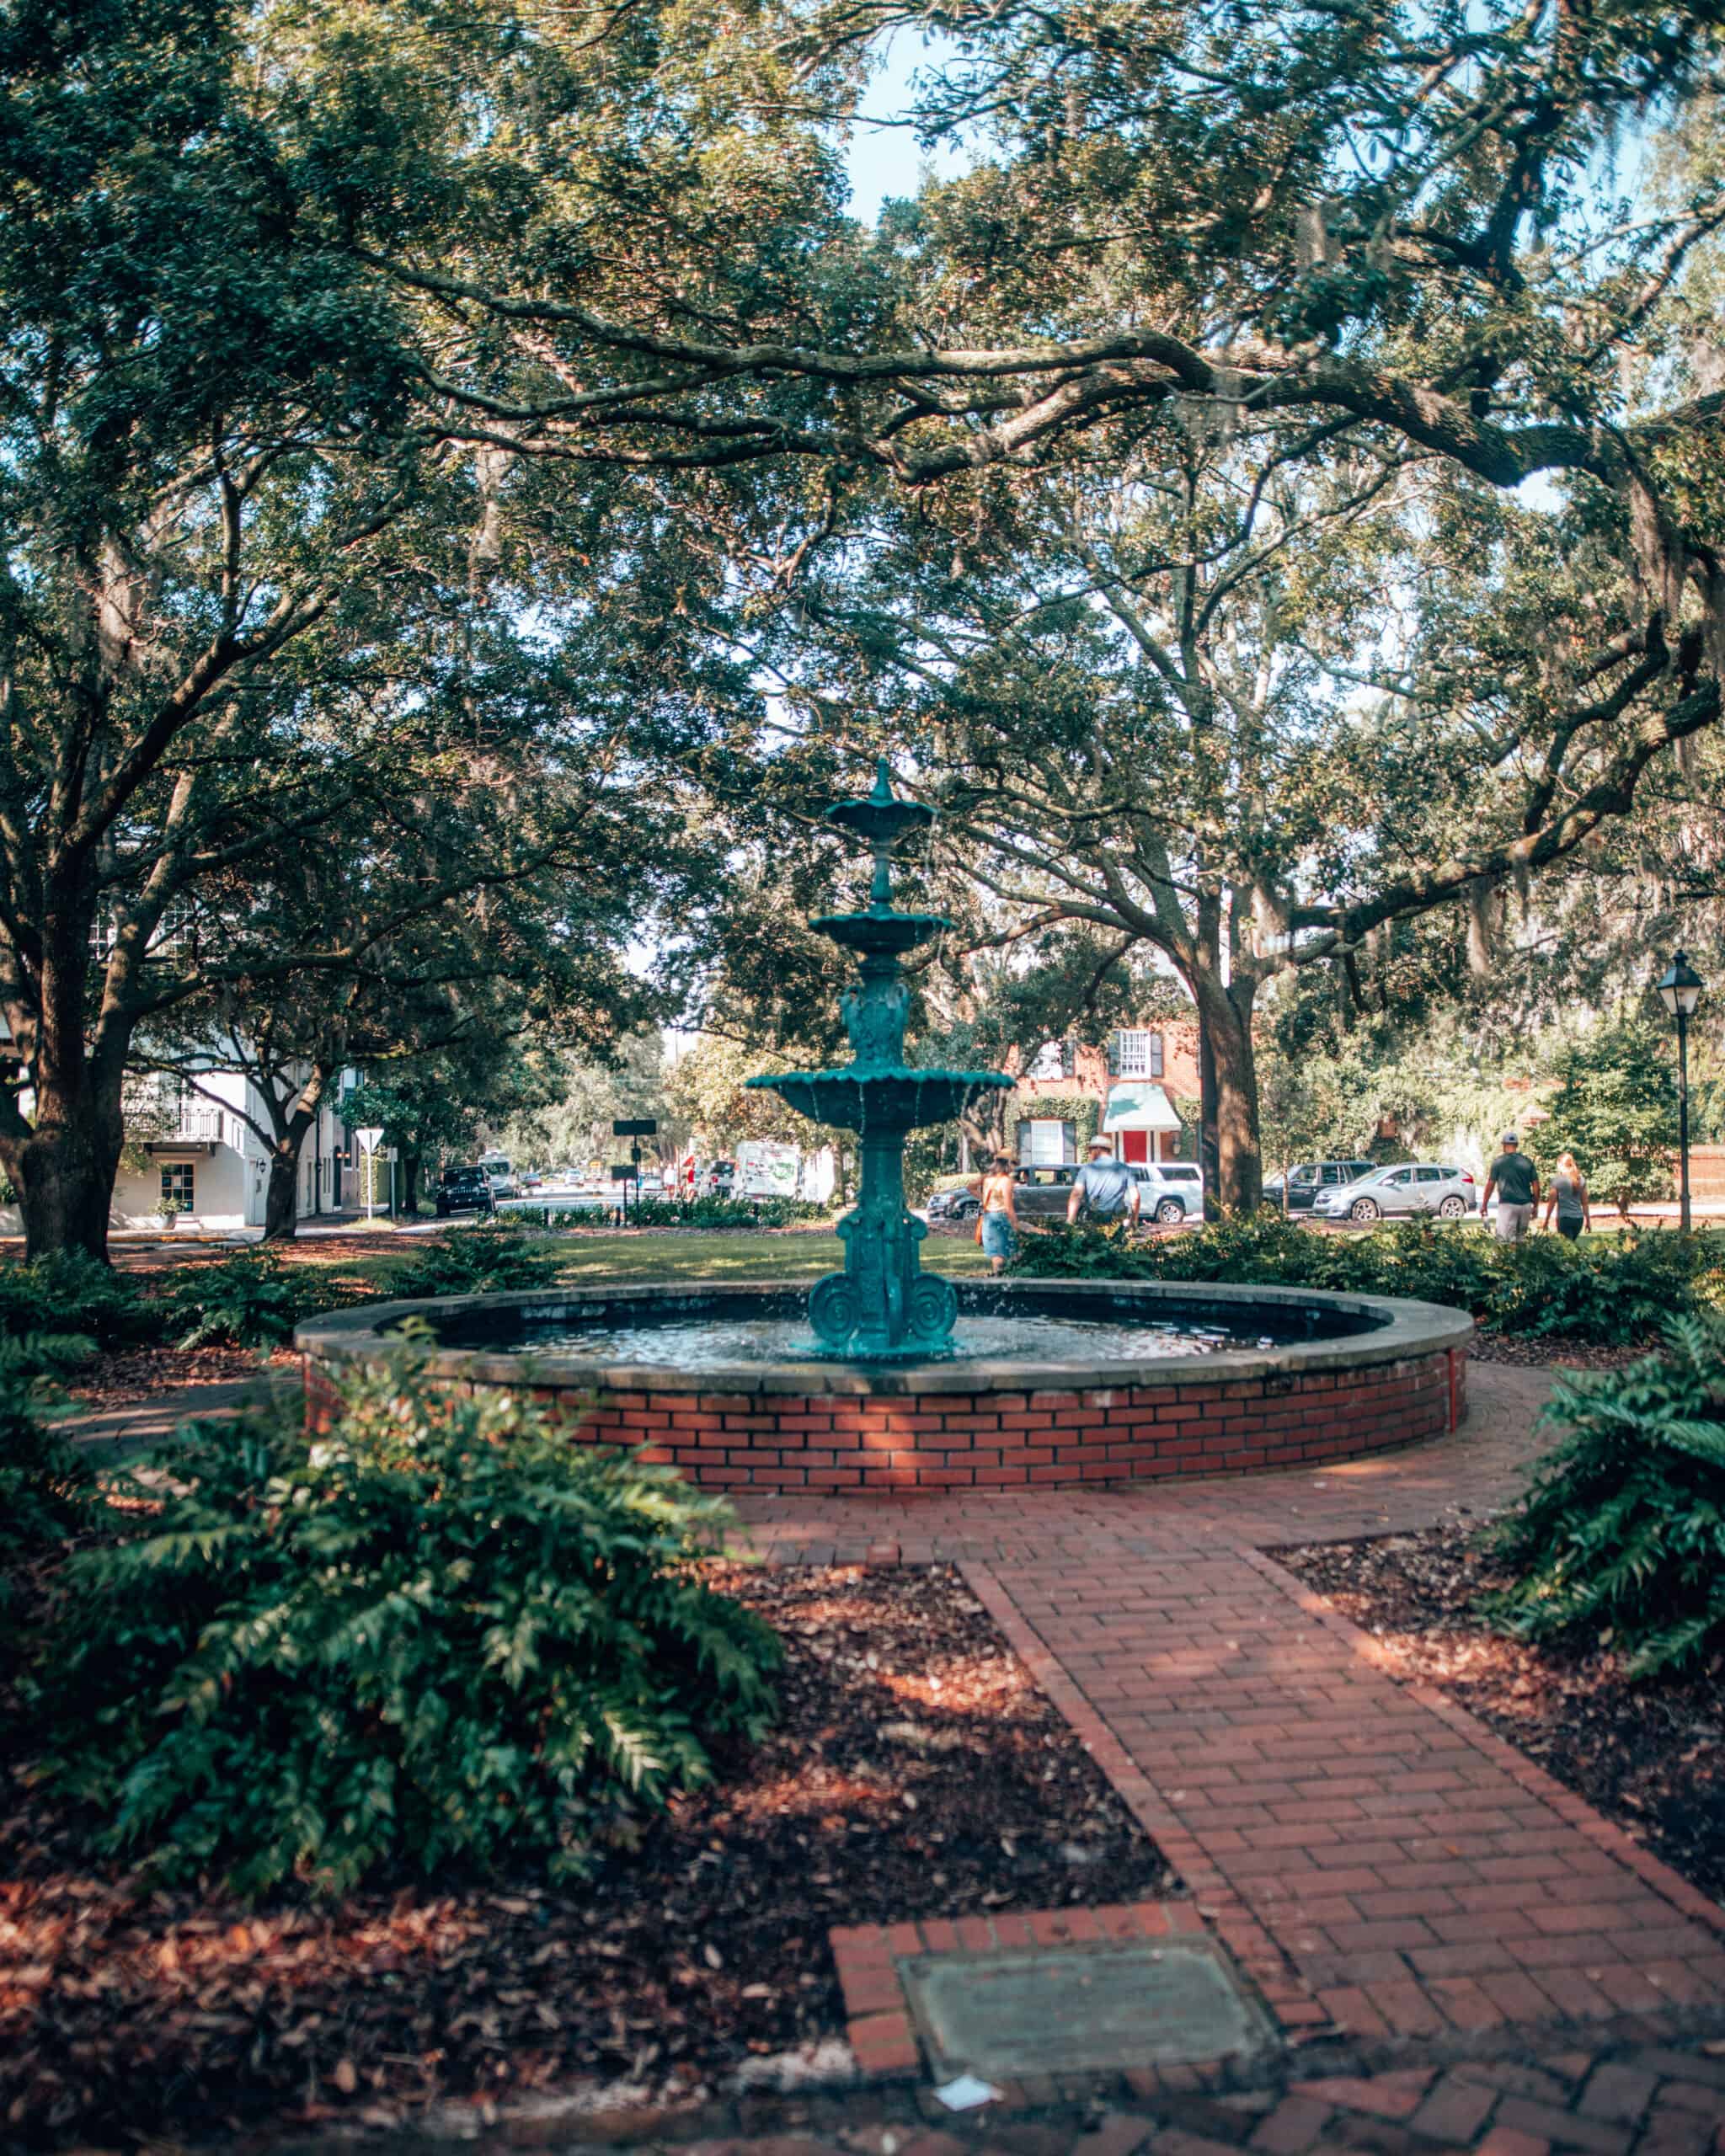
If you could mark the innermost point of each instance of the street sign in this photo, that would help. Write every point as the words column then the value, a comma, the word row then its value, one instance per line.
column 624, row 1171
column 642, row 1127
column 368, row 1139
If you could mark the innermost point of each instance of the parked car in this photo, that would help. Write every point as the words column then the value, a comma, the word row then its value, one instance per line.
column 531, row 1179
column 1042, row 1193
column 959, row 1204
column 503, row 1183
column 1308, row 1178
column 464, row 1190
column 1168, row 1191
column 1411, row 1186
column 718, row 1179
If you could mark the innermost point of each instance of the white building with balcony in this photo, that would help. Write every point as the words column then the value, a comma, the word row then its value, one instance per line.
column 205, row 1166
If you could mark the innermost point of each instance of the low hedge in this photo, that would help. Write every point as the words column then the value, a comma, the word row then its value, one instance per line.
column 435, row 1634
column 723, row 1212
column 1610, row 1290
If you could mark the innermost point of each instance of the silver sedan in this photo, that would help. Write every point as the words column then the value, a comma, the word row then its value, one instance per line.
column 1409, row 1187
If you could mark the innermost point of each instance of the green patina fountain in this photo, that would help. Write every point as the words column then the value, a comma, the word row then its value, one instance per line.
column 883, row 1305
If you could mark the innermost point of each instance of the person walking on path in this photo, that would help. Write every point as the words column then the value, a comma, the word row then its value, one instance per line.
column 1569, row 1199
column 1516, row 1180
column 1104, row 1187
column 997, row 1224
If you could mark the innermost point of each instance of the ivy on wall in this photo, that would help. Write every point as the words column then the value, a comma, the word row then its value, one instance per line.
column 1083, row 1111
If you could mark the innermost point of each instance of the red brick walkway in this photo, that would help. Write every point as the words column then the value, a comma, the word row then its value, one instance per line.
column 1384, row 1866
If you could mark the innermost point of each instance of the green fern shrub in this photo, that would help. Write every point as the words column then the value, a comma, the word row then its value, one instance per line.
column 47, row 1485
column 472, row 1262
column 72, row 1294
column 252, row 1300
column 1623, row 1535
column 436, row 1635
column 1613, row 1290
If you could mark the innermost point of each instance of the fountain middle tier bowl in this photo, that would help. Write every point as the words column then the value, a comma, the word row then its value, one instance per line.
column 880, row 932
column 867, row 1097
column 1053, row 1382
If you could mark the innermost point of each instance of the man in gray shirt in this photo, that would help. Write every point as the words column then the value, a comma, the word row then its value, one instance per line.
column 1104, row 1187
column 1516, row 1180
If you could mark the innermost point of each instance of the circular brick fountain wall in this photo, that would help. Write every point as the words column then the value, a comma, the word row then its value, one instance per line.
column 962, row 1424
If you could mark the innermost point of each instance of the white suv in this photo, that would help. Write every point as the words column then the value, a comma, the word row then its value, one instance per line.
column 1168, row 1191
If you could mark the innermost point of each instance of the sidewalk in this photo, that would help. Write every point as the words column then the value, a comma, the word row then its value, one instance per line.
column 113, row 1433
column 1405, row 1890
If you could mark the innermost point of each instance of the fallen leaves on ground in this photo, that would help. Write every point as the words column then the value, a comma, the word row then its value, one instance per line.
column 916, row 1771
column 1650, row 1756
column 1539, row 1352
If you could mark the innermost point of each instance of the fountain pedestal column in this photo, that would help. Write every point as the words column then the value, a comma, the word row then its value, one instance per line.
column 883, row 1305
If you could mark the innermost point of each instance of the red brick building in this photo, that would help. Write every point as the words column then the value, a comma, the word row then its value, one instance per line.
column 1126, row 1088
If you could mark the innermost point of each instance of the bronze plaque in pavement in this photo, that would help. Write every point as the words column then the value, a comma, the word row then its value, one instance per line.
column 1085, row 2009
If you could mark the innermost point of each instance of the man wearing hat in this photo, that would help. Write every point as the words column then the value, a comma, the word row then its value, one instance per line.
column 1516, row 1180
column 1104, row 1187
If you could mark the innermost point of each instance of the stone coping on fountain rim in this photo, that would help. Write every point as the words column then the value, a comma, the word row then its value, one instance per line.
column 1400, row 1331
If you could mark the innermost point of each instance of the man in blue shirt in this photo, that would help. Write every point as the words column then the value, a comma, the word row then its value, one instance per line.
column 1104, row 1187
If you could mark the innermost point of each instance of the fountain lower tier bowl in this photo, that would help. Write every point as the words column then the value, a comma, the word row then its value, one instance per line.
column 884, row 1097
column 1054, row 1383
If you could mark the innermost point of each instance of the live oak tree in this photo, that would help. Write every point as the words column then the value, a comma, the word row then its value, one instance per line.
column 466, row 940
column 1383, row 237
column 255, row 594
column 300, row 293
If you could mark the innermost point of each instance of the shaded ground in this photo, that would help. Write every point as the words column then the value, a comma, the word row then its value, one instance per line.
column 1650, row 1756
column 136, row 1373
column 916, row 1771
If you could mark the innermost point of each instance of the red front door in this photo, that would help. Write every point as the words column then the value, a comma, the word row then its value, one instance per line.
column 1135, row 1145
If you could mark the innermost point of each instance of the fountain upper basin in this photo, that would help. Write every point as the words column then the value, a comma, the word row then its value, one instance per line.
column 1347, row 1375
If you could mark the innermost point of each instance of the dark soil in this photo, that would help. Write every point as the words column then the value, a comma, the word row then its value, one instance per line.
column 1649, row 1755
column 916, row 1771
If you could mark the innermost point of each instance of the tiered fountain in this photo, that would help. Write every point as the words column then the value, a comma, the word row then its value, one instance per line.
column 883, row 1305
column 1045, row 1382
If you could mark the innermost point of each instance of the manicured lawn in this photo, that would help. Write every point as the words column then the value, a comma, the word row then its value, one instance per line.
column 671, row 1254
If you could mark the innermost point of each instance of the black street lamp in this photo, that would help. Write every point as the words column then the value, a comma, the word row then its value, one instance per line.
column 1679, row 991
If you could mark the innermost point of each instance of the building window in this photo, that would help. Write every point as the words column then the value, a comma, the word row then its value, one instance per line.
column 177, row 1185
column 1140, row 1055
column 1045, row 1143
column 1052, row 1060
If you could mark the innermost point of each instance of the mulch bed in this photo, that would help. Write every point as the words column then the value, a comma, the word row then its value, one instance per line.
column 915, row 1772
column 1553, row 1354
column 127, row 1375
column 1650, row 1756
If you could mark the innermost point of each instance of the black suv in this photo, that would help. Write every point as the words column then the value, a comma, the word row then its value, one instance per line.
column 1311, row 1177
column 464, row 1190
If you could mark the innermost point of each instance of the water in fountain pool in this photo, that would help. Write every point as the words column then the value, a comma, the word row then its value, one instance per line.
column 704, row 1343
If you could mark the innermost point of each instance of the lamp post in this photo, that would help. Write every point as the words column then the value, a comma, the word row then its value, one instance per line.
column 1679, row 991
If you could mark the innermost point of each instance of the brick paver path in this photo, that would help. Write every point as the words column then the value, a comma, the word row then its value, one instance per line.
column 1384, row 1866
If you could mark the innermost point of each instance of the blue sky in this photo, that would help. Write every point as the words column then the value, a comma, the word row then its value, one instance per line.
column 885, row 160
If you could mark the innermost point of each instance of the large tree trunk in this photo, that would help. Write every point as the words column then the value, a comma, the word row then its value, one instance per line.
column 65, row 1162
column 64, row 1173
column 281, row 1195
column 1226, row 1016
column 410, row 1164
